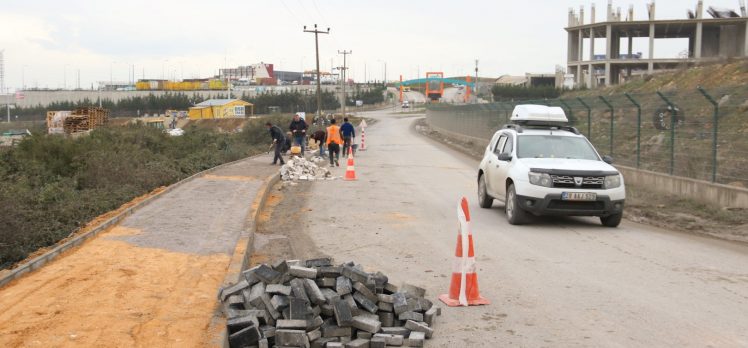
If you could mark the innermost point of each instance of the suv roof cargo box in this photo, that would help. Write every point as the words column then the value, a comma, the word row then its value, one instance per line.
column 539, row 115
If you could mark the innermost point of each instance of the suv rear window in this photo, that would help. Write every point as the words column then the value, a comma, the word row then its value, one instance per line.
column 549, row 146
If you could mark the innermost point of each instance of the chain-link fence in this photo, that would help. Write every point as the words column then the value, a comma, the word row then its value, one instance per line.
column 698, row 133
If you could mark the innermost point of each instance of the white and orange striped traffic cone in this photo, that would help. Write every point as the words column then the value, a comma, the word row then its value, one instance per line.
column 463, row 290
column 363, row 138
column 350, row 172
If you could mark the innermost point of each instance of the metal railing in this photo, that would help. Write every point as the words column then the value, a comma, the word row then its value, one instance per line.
column 695, row 133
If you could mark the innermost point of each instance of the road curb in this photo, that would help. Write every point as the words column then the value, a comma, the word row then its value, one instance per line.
column 50, row 255
column 240, row 259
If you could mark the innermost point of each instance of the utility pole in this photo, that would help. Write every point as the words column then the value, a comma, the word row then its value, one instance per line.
column 316, row 47
column 343, row 75
column 476, row 81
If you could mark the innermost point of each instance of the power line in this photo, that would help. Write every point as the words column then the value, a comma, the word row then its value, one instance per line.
column 314, row 2
column 289, row 11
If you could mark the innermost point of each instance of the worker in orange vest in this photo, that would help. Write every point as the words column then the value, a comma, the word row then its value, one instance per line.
column 334, row 140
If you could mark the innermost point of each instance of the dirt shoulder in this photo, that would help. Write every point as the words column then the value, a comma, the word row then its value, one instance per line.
column 282, row 231
column 646, row 207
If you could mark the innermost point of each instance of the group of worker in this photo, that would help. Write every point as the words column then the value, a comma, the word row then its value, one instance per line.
column 332, row 138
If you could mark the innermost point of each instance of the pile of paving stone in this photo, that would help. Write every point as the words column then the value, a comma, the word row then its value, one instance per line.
column 315, row 304
column 299, row 168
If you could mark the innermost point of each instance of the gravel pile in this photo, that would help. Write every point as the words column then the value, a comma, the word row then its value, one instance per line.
column 299, row 168
column 315, row 304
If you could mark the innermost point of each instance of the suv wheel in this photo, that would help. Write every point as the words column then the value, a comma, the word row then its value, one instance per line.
column 484, row 199
column 611, row 220
column 515, row 214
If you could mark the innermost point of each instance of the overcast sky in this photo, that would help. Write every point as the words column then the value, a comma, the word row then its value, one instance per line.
column 47, row 42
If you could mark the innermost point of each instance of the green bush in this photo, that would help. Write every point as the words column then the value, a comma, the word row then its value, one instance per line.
column 51, row 185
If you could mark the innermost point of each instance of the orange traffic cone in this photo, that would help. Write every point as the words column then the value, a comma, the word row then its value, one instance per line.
column 463, row 290
column 350, row 172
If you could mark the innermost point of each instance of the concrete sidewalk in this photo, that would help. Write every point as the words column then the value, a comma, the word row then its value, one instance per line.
column 150, row 281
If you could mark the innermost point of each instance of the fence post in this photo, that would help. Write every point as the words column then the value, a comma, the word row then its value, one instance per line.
column 715, row 128
column 638, row 128
column 589, row 118
column 566, row 105
column 612, row 120
column 673, row 114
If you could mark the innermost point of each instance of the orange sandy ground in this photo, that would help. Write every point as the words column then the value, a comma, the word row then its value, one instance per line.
column 113, row 294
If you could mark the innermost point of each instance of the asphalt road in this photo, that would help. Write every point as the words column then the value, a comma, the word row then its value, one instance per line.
column 557, row 282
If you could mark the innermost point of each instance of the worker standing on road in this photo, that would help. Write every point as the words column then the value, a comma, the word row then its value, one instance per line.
column 279, row 140
column 348, row 132
column 333, row 143
column 320, row 136
column 298, row 127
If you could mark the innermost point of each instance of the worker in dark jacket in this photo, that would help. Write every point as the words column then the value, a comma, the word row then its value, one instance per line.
column 348, row 132
column 298, row 127
column 279, row 140
column 320, row 136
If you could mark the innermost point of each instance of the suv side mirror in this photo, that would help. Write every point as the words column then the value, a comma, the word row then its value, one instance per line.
column 505, row 157
column 607, row 159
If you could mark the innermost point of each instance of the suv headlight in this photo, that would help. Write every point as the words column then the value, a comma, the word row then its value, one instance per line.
column 612, row 181
column 540, row 179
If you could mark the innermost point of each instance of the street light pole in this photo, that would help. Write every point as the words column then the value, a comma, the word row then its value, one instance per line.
column 319, row 85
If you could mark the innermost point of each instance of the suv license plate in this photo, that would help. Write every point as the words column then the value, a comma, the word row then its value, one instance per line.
column 578, row 196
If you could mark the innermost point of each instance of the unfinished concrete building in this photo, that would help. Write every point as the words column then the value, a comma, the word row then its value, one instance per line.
column 722, row 36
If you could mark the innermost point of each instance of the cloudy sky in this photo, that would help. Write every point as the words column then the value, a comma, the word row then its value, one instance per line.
column 48, row 43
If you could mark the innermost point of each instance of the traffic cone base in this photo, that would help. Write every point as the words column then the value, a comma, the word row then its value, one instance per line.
column 350, row 171
column 471, row 291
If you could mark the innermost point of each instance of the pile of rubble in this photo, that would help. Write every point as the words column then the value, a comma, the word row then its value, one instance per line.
column 316, row 304
column 299, row 168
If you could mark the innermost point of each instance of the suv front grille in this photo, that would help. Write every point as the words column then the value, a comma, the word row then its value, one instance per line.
column 588, row 182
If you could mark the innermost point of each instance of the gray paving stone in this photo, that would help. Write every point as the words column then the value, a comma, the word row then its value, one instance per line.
column 343, row 285
column 416, row 339
column 278, row 289
column 415, row 316
column 391, row 340
column 386, row 318
column 245, row 337
column 366, row 324
column 325, row 282
column 319, row 262
column 360, row 287
column 401, row 303
column 315, row 295
column 412, row 290
column 396, row 330
column 267, row 275
column 419, row 327
column 302, row 272
column 358, row 343
column 290, row 324
column 295, row 338
column 343, row 315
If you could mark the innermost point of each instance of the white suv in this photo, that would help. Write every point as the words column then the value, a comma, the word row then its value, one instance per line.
column 540, row 166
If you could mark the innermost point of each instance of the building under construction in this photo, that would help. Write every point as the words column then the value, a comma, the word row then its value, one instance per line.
column 724, row 35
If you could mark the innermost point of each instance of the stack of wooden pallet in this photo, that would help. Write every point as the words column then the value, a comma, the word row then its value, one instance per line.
column 85, row 119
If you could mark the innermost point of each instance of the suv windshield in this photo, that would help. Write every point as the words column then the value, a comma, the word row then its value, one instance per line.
column 550, row 146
